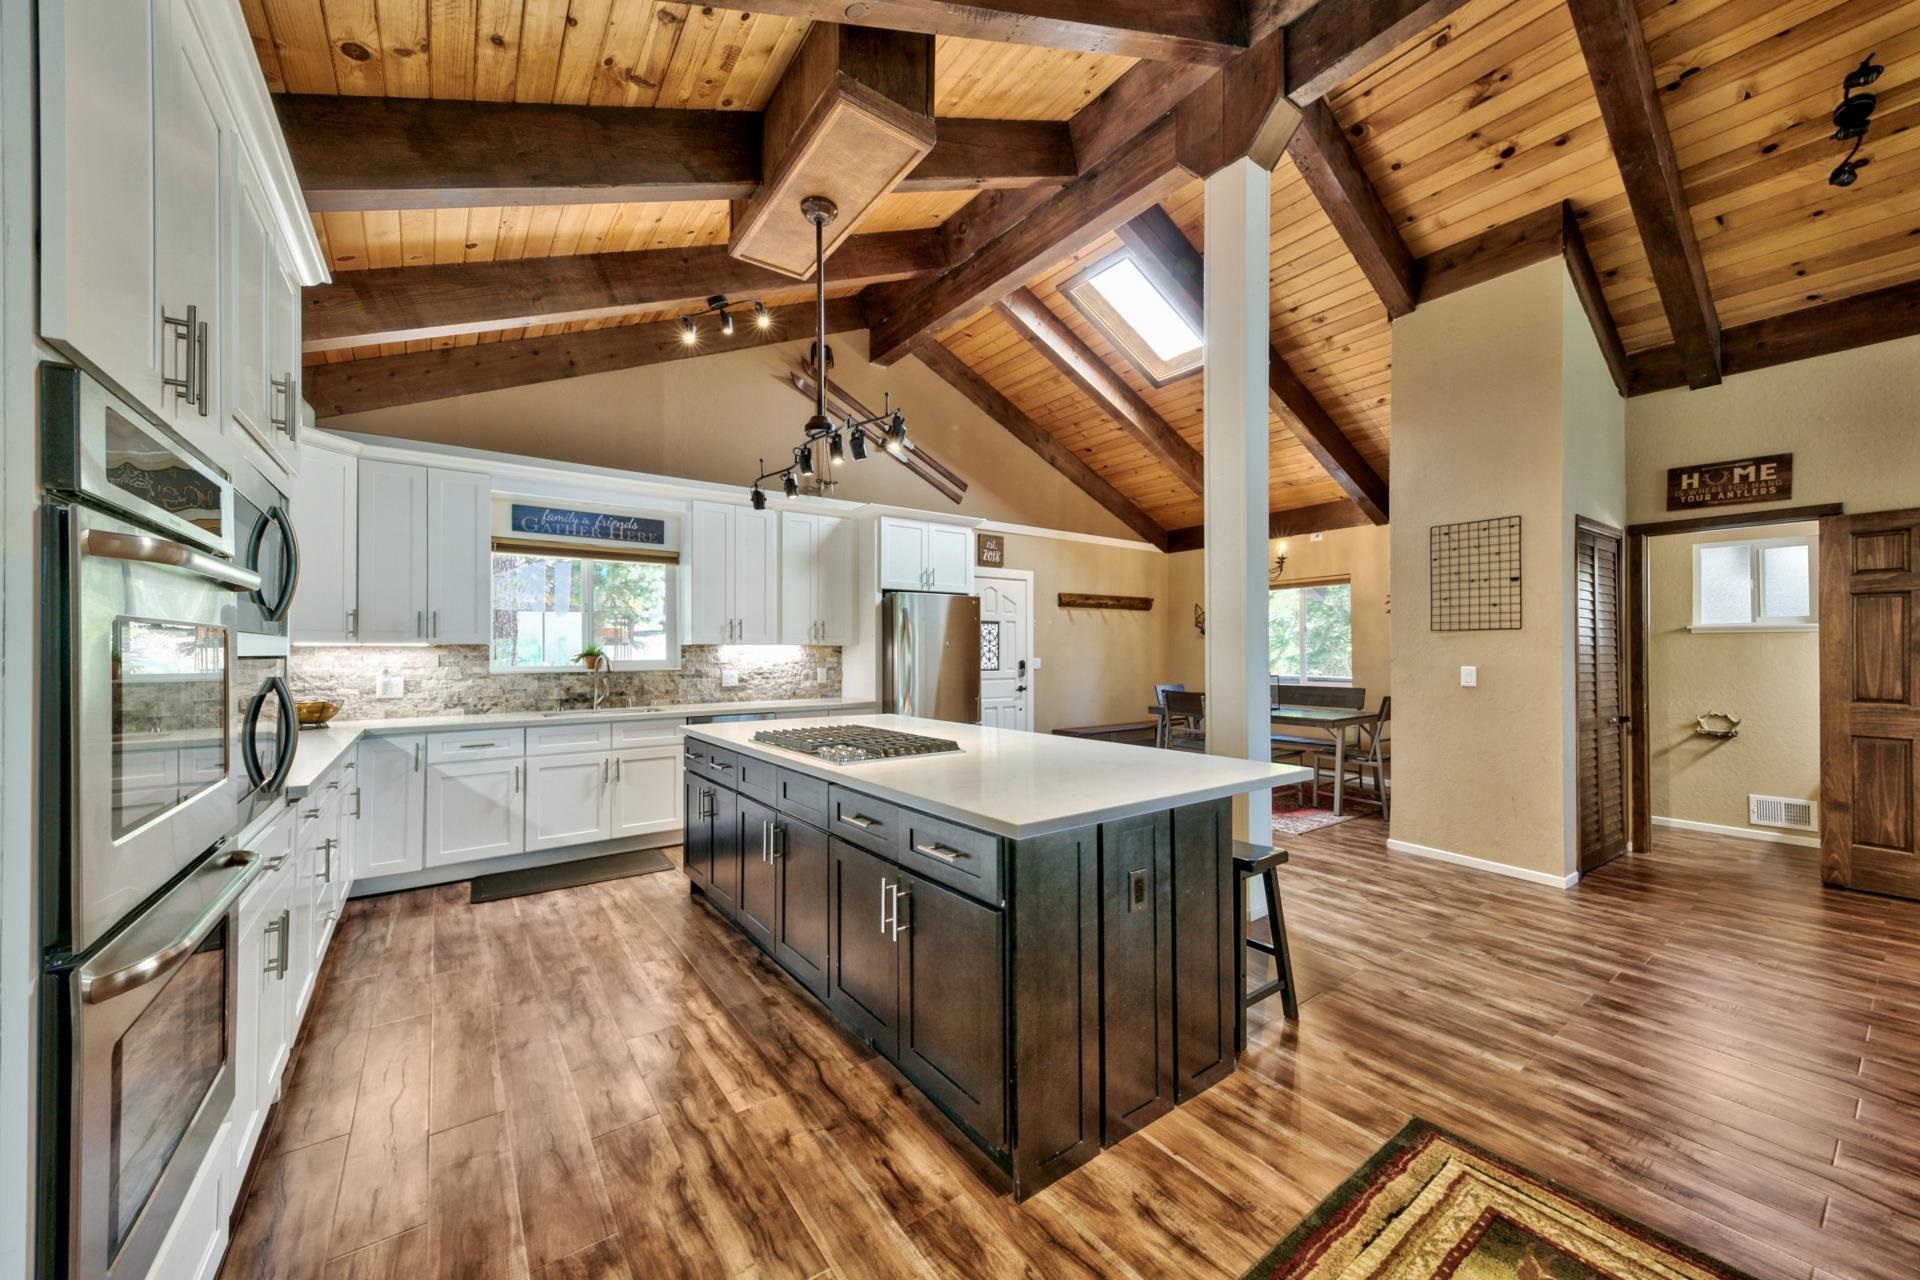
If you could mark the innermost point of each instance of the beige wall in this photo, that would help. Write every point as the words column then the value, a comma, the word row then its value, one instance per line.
column 1770, row 679
column 714, row 416
column 1497, row 411
column 1851, row 421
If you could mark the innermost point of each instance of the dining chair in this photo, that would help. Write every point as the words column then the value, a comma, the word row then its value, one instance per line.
column 1370, row 758
column 1186, row 721
column 1160, row 692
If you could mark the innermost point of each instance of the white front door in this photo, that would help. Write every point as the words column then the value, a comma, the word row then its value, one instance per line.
column 1006, row 647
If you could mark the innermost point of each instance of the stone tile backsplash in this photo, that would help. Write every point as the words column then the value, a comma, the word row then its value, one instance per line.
column 454, row 679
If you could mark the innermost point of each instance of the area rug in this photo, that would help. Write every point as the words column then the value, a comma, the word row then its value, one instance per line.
column 1431, row 1206
column 1298, row 819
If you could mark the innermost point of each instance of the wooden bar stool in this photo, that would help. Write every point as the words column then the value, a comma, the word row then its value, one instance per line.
column 1248, row 861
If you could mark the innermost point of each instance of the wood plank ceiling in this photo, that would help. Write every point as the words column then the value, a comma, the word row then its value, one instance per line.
column 1480, row 119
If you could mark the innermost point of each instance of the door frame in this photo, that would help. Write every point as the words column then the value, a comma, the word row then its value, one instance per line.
column 1639, row 636
column 1026, row 576
column 1600, row 528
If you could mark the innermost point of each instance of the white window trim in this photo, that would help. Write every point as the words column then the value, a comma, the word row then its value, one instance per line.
column 1756, row 575
column 1324, row 682
column 671, row 662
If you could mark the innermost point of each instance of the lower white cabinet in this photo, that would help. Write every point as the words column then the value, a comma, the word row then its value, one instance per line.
column 392, row 782
column 645, row 795
column 567, row 799
column 475, row 809
column 262, row 1004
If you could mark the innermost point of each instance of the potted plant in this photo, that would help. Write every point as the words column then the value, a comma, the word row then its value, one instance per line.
column 590, row 657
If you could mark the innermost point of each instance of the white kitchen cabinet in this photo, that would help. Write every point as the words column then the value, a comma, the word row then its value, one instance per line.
column 283, row 362
column 567, row 799
column 393, row 805
column 325, row 496
column 459, row 555
column 249, row 253
column 425, row 545
column 262, row 1033
column 921, row 555
column 733, row 562
column 816, row 579
column 96, row 188
column 475, row 809
column 392, row 532
column 645, row 796
column 193, row 168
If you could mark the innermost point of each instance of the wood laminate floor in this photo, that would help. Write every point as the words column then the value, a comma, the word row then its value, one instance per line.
column 607, row 1082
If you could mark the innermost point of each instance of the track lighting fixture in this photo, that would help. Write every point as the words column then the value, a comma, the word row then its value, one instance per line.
column 836, row 451
column 688, row 333
column 726, row 324
column 762, row 318
column 790, row 483
column 856, row 442
column 759, row 498
column 1852, row 118
column 803, row 459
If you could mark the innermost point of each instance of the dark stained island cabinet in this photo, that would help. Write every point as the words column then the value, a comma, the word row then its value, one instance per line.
column 1051, row 991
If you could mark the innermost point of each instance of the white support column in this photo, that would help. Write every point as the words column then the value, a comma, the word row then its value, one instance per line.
column 1234, row 385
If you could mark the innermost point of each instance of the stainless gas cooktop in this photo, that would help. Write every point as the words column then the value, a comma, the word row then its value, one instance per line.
column 854, row 744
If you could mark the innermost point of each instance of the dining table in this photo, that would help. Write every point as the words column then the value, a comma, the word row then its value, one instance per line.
column 1335, row 722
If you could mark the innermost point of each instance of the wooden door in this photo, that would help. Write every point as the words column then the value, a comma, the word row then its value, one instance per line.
column 863, row 984
column 1869, row 701
column 1006, row 648
column 1599, row 718
column 952, row 1023
column 801, row 922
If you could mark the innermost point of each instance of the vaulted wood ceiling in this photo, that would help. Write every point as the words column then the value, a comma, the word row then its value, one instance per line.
column 1453, row 121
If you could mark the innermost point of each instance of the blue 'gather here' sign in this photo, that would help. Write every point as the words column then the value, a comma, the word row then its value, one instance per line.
column 559, row 522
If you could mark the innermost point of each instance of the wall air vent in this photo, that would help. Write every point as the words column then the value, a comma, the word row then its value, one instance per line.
column 1779, row 811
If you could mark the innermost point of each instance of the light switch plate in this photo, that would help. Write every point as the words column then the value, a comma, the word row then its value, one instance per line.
column 390, row 687
column 1469, row 677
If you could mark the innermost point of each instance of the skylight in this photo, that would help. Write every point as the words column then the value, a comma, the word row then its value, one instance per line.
column 1119, row 297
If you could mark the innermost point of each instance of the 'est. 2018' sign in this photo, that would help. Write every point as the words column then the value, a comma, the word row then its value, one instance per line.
column 1724, row 484
column 559, row 522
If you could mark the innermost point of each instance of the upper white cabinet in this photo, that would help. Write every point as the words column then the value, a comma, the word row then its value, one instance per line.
column 284, row 405
column 816, row 579
column 249, row 251
column 732, row 572
column 920, row 555
column 425, row 539
column 325, row 501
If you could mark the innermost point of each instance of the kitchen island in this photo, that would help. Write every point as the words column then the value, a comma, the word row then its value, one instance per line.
column 1037, row 931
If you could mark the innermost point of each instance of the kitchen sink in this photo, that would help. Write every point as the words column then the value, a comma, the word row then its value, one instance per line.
column 603, row 711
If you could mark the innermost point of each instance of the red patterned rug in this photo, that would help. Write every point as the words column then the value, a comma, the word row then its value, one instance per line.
column 1293, row 819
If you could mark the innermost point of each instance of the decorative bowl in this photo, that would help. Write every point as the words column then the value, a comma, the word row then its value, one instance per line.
column 315, row 712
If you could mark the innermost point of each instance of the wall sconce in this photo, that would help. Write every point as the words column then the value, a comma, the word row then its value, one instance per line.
column 1199, row 619
column 1280, row 562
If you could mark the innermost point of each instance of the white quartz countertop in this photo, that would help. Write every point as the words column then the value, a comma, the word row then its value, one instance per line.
column 1019, row 784
column 321, row 749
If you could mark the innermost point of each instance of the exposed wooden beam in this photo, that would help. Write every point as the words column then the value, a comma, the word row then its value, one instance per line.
column 1534, row 237
column 986, row 398
column 1337, row 39
column 397, row 304
column 1242, row 110
column 358, row 385
column 1142, row 95
column 1108, row 390
column 1293, row 522
column 1326, row 160
column 1203, row 31
column 1172, row 262
column 1139, row 174
column 419, row 153
column 1622, row 75
column 1863, row 320
column 1321, row 436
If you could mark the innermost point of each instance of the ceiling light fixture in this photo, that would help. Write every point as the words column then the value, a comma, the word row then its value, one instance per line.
column 688, row 333
column 1852, row 118
column 762, row 318
column 889, row 425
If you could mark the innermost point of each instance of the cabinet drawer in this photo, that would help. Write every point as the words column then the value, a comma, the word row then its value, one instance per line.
column 645, row 733
column 871, row 824
column 697, row 756
column 801, row 795
column 722, row 767
column 475, row 744
column 755, row 778
column 567, row 739
column 951, row 854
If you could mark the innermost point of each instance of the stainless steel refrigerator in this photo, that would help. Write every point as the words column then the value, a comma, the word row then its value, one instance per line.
column 930, row 655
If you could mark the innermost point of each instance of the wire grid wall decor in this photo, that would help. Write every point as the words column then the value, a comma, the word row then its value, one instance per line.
column 1476, row 575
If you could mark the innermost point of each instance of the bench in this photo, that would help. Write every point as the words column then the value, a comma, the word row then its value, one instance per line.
column 1135, row 731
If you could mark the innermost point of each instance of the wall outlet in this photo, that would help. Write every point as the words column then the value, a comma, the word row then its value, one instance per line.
column 729, row 678
column 819, row 675
column 390, row 687
column 1469, row 677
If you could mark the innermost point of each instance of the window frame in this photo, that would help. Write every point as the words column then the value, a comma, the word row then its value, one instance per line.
column 1300, row 629
column 671, row 625
column 1756, row 575
column 1114, row 327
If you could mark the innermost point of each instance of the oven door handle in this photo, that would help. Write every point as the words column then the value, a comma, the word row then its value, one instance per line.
column 145, row 548
column 287, row 731
column 276, row 609
column 99, row 985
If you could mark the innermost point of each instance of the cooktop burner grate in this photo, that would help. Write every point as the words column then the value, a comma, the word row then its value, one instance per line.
column 854, row 744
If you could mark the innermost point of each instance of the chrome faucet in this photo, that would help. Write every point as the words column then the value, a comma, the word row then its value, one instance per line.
column 601, row 672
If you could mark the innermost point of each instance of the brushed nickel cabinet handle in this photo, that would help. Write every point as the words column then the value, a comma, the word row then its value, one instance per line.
column 201, row 399
column 885, row 887
column 941, row 852
column 899, row 892
column 418, row 748
column 859, row 820
column 420, row 623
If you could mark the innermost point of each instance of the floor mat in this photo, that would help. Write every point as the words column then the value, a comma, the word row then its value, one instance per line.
column 565, row 875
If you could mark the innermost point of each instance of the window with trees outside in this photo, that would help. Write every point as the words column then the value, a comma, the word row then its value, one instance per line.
column 1310, row 633
column 546, row 609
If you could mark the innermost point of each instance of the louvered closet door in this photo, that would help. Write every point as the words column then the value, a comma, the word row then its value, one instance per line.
column 1869, row 701
column 1599, row 722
